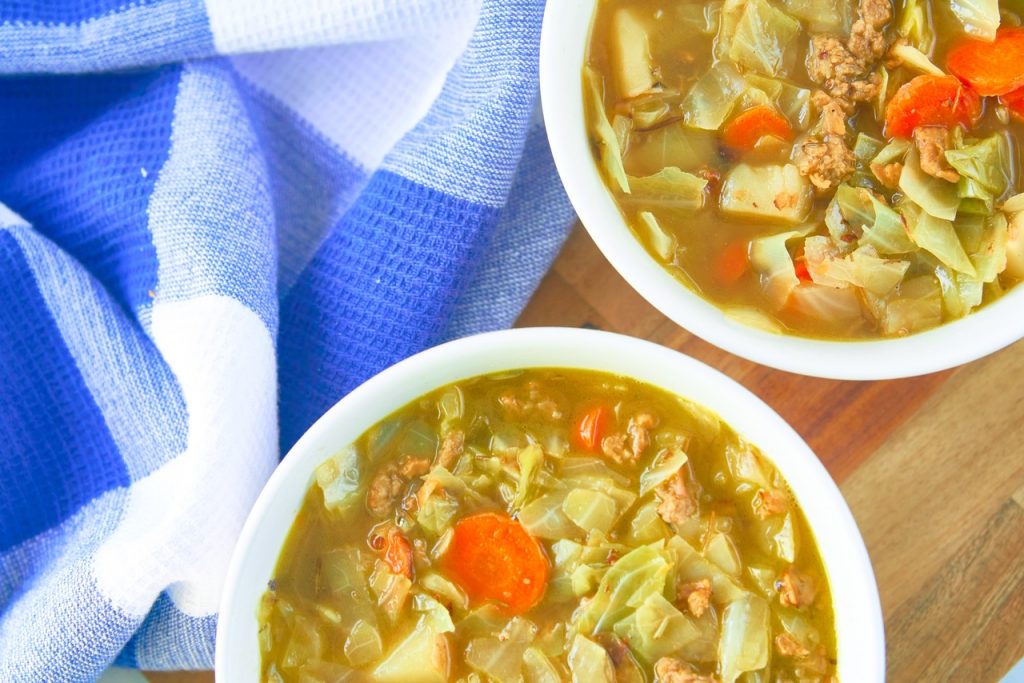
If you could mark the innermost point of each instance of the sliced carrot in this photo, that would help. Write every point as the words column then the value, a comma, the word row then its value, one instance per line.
column 990, row 68
column 493, row 558
column 1014, row 101
column 733, row 262
column 591, row 427
column 746, row 130
column 931, row 101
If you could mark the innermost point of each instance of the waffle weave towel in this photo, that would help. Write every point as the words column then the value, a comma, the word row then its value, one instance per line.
column 216, row 218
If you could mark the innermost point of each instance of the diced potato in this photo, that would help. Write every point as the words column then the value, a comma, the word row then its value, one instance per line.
column 777, row 194
column 422, row 657
column 1015, row 246
column 631, row 53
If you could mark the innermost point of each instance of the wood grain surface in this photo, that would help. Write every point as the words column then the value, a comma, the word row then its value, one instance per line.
column 932, row 467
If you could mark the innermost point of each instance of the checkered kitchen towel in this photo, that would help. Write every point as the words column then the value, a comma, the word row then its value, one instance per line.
column 200, row 253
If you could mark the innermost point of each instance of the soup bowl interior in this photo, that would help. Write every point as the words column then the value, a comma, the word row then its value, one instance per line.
column 859, row 630
column 563, row 51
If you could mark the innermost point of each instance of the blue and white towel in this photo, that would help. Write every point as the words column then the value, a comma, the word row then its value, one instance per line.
column 216, row 218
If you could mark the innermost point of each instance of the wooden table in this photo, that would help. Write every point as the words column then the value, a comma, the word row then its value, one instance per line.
column 932, row 467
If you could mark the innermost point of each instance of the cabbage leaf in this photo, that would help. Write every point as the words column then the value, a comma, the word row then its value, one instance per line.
column 980, row 18
column 744, row 644
column 608, row 150
column 765, row 39
column 663, row 243
column 936, row 196
column 986, row 161
column 713, row 97
column 631, row 579
column 671, row 189
column 937, row 237
column 770, row 257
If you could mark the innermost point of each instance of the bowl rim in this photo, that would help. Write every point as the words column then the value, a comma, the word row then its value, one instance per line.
column 563, row 44
column 859, row 625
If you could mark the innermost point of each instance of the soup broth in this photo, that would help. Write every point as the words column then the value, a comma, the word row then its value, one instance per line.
column 549, row 525
column 813, row 167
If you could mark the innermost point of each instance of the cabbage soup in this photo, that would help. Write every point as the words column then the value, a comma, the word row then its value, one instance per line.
column 549, row 525
column 824, row 168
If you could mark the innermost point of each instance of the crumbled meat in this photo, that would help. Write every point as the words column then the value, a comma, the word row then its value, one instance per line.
column 842, row 74
column 536, row 401
column 696, row 595
column 769, row 502
column 888, row 174
column 795, row 589
column 932, row 142
column 676, row 504
column 386, row 486
column 614, row 446
column 639, row 432
column 814, row 665
column 628, row 447
column 846, row 70
column 451, row 448
column 788, row 646
column 827, row 163
column 672, row 670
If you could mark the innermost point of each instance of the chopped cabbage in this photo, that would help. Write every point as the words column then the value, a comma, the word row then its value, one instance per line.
column 989, row 258
column 839, row 307
column 537, row 668
column 777, row 194
column 689, row 565
column 670, row 189
column 856, row 209
column 1014, row 204
column 918, row 306
column 451, row 405
column 793, row 101
column 753, row 317
column 822, row 16
column 363, row 644
column 765, row 39
column 770, row 257
column 609, row 152
column 670, row 145
column 662, row 468
column 501, row 656
column 590, row 510
column 391, row 590
column 938, row 237
column 746, row 465
column 531, row 459
column 699, row 17
column 744, row 644
column 866, row 149
column 914, row 24
column 630, row 52
column 338, row 478
column 640, row 572
column 721, row 550
column 913, row 58
column 784, row 540
column 664, row 244
column 986, row 161
column 862, row 268
column 589, row 662
column 647, row 526
column 936, row 196
column 980, row 18
column 304, row 644
column 960, row 293
column 444, row 589
column 657, row 629
column 543, row 517
column 713, row 97
column 421, row 657
column 343, row 577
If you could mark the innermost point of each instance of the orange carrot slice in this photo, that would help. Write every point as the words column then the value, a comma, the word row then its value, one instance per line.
column 591, row 427
column 931, row 101
column 746, row 130
column 493, row 558
column 733, row 262
column 990, row 68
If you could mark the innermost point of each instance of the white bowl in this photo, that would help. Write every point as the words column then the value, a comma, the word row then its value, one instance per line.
column 861, row 644
column 562, row 51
